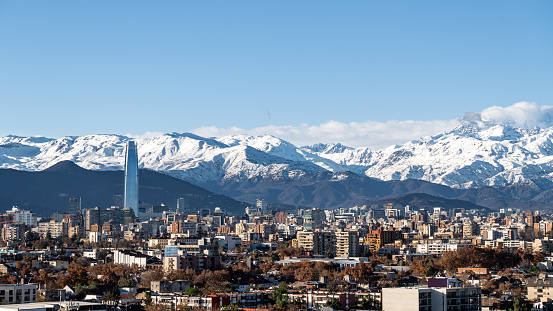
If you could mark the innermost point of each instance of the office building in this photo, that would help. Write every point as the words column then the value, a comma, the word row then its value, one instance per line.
column 181, row 207
column 262, row 206
column 73, row 207
column 131, row 177
column 313, row 219
column 97, row 216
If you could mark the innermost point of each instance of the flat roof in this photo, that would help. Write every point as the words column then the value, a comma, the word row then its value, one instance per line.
column 48, row 304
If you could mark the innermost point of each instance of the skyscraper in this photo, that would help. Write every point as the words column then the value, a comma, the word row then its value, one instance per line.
column 181, row 207
column 131, row 177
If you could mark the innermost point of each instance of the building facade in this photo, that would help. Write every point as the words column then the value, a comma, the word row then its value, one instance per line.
column 131, row 177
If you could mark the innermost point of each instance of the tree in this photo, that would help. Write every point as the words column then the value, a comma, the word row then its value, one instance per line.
column 114, row 294
column 519, row 305
column 370, row 303
column 280, row 296
column 76, row 274
column 80, row 292
column 148, row 299
column 192, row 291
column 231, row 307
column 332, row 287
column 92, row 288
column 334, row 303
column 216, row 247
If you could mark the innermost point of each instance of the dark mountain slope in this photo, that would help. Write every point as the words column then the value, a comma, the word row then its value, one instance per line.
column 46, row 192
column 428, row 202
column 343, row 189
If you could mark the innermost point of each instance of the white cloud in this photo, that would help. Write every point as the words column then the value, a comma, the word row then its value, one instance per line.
column 521, row 114
column 372, row 134
column 377, row 135
column 145, row 136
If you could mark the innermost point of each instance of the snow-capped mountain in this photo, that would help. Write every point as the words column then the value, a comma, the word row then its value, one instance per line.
column 471, row 155
column 466, row 157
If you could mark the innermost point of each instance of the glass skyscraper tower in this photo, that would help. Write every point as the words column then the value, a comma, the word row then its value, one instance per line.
column 131, row 177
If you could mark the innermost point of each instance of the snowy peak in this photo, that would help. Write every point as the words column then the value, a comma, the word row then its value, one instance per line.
column 327, row 148
column 471, row 155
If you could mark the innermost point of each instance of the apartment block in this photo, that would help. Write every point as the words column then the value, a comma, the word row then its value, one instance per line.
column 18, row 293
column 432, row 299
column 347, row 244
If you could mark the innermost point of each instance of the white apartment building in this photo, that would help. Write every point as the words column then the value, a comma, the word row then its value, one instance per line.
column 18, row 293
column 436, row 248
column 431, row 299
column 22, row 216
column 129, row 258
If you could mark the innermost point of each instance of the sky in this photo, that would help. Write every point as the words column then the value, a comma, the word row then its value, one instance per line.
column 364, row 73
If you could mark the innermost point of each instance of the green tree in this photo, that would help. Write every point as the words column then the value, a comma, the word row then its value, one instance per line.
column 280, row 296
column 334, row 303
column 192, row 291
column 80, row 292
column 114, row 294
column 148, row 299
column 519, row 305
column 370, row 303
column 92, row 288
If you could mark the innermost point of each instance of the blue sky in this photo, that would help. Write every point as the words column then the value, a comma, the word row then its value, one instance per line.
column 214, row 67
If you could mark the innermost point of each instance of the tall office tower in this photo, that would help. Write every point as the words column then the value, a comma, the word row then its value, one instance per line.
column 181, row 207
column 263, row 207
column 73, row 207
column 131, row 177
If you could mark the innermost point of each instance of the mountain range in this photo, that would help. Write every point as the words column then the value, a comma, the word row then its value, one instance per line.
column 494, row 165
column 48, row 191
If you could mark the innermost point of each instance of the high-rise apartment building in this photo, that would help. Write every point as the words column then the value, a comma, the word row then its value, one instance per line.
column 131, row 177
column 471, row 229
column 347, row 244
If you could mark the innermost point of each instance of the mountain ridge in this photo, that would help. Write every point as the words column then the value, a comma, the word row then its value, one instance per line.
column 516, row 161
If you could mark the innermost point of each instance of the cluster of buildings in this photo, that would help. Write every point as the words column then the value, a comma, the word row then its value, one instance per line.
column 178, row 238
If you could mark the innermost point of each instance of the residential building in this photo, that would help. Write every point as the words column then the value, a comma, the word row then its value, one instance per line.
column 22, row 216
column 191, row 262
column 431, row 299
column 539, row 288
column 471, row 229
column 169, row 286
column 56, row 229
column 18, row 293
column 347, row 244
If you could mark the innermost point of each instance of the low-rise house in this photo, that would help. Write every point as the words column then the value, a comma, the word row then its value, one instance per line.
column 169, row 286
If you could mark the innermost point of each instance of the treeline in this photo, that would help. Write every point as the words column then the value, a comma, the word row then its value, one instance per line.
column 476, row 257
